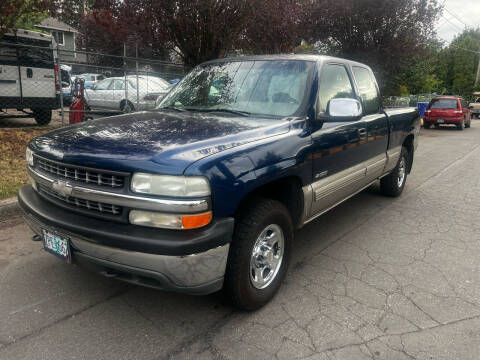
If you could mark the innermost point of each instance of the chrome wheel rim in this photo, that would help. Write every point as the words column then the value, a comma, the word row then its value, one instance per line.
column 267, row 256
column 401, row 172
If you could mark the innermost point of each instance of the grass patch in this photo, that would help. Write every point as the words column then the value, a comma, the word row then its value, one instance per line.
column 13, row 173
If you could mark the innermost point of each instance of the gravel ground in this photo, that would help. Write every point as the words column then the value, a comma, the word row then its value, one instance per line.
column 374, row 278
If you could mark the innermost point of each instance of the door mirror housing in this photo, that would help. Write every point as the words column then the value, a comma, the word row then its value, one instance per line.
column 344, row 110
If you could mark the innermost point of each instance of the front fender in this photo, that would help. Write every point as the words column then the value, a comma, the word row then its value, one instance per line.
column 235, row 173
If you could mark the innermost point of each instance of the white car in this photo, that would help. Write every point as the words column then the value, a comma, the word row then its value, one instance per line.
column 111, row 93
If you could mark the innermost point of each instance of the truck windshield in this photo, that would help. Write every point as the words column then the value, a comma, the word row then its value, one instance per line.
column 271, row 88
column 444, row 104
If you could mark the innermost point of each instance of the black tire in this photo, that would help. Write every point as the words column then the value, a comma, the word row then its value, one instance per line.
column 427, row 125
column 390, row 184
column 257, row 216
column 127, row 107
column 437, row 126
column 461, row 126
column 42, row 116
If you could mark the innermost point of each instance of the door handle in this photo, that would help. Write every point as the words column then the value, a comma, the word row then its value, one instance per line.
column 362, row 133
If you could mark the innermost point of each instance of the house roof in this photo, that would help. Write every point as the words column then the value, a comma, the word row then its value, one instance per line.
column 55, row 24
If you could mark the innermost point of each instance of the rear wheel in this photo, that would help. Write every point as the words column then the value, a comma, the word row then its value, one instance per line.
column 42, row 116
column 467, row 124
column 461, row 125
column 259, row 254
column 427, row 125
column 393, row 184
column 437, row 126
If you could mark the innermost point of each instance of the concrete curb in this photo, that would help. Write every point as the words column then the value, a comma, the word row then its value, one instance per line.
column 8, row 204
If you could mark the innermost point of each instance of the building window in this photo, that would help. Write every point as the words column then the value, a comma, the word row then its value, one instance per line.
column 58, row 35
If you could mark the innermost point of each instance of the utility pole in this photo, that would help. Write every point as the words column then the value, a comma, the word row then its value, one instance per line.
column 477, row 80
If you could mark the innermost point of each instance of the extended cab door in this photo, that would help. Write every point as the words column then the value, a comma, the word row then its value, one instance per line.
column 375, row 120
column 339, row 148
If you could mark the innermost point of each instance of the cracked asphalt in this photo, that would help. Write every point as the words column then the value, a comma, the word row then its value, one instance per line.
column 375, row 278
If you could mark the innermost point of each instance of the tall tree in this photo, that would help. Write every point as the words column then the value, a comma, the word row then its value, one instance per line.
column 70, row 12
column 201, row 30
column 385, row 34
column 274, row 26
column 110, row 24
column 458, row 63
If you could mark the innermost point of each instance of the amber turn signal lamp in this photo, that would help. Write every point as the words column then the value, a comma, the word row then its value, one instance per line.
column 196, row 221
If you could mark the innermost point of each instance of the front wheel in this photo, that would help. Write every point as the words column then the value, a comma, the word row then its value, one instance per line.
column 393, row 184
column 259, row 254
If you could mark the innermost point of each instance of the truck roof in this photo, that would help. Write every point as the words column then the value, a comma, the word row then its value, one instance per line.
column 303, row 57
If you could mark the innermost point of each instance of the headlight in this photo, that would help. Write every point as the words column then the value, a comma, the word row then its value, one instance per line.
column 29, row 156
column 169, row 221
column 167, row 185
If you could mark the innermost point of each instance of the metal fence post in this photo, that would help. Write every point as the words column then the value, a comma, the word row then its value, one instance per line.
column 125, row 72
column 61, row 87
column 136, row 74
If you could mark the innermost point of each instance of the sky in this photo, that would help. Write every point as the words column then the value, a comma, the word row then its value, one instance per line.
column 457, row 14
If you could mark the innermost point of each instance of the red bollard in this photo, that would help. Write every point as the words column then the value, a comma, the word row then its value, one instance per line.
column 77, row 107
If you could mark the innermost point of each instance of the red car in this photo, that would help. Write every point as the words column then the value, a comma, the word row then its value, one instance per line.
column 446, row 110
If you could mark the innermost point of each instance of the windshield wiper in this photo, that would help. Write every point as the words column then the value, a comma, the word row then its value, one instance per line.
column 230, row 111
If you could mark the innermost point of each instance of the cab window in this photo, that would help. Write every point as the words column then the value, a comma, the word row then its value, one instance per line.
column 367, row 89
column 334, row 84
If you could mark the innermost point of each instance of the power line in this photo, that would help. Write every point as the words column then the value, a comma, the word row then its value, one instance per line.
column 456, row 17
column 461, row 48
column 451, row 23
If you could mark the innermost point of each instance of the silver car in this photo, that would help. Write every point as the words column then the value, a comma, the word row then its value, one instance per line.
column 111, row 93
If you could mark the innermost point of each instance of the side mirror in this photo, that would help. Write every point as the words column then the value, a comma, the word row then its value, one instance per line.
column 344, row 110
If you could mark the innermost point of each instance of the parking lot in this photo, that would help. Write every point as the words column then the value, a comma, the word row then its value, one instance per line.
column 374, row 278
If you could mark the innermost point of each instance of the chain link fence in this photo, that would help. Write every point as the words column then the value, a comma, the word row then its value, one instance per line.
column 42, row 80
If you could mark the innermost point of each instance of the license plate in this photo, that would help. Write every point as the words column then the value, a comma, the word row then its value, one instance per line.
column 57, row 244
column 440, row 121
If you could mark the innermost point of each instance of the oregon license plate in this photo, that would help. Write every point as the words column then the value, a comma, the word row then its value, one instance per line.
column 440, row 121
column 57, row 245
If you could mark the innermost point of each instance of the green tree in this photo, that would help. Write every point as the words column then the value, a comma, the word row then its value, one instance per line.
column 21, row 14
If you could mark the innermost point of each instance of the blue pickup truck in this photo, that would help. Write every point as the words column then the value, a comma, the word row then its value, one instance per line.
column 206, row 191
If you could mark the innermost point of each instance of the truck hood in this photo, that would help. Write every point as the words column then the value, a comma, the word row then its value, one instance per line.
column 155, row 141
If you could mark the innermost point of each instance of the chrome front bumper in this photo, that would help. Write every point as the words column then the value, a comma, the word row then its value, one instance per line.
column 199, row 274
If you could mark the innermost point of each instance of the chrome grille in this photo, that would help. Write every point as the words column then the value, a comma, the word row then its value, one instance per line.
column 80, row 174
column 103, row 208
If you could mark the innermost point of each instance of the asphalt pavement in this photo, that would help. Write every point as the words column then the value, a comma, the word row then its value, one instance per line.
column 375, row 278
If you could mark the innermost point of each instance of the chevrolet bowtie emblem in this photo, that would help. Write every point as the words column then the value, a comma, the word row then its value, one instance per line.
column 62, row 188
